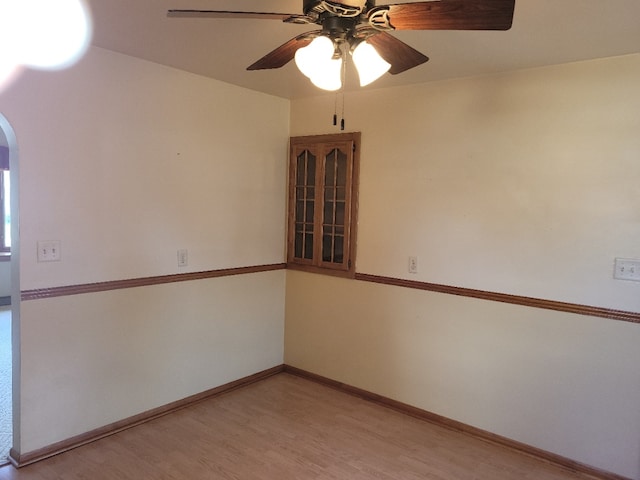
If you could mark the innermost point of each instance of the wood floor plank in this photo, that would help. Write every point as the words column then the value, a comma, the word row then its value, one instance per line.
column 287, row 427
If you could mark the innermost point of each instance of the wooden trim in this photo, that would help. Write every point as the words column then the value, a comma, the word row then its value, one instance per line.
column 321, row 145
column 143, row 282
column 450, row 424
column 320, row 270
column 633, row 317
column 625, row 316
column 21, row 460
column 323, row 138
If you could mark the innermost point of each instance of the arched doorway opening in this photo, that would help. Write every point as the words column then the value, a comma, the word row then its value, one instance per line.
column 9, row 294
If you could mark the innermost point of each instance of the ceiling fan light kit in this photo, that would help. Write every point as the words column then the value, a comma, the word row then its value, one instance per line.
column 361, row 29
column 322, row 62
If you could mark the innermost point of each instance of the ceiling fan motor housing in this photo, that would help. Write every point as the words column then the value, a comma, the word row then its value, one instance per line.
column 321, row 6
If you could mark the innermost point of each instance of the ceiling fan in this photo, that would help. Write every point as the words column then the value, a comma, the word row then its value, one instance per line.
column 360, row 28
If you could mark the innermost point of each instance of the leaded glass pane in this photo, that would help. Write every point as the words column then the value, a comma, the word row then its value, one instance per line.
column 301, row 168
column 342, row 169
column 309, row 212
column 298, row 244
column 308, row 246
column 330, row 166
column 338, row 249
column 311, row 170
column 299, row 211
column 328, row 213
column 304, row 205
column 339, row 213
column 334, row 214
column 326, row 248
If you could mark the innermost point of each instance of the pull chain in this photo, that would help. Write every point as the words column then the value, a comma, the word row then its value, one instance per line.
column 344, row 81
column 340, row 92
column 342, row 115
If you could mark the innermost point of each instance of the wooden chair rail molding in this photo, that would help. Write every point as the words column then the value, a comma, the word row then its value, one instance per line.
column 143, row 282
column 633, row 317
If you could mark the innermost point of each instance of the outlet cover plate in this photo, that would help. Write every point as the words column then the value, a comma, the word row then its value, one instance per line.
column 183, row 257
column 413, row 264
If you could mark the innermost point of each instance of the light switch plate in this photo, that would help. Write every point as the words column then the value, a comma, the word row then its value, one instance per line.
column 49, row 251
column 627, row 269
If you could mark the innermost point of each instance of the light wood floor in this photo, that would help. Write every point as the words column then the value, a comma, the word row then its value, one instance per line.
column 286, row 427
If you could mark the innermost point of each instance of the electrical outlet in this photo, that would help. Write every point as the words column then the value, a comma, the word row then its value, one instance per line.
column 627, row 269
column 413, row 264
column 183, row 258
column 49, row 251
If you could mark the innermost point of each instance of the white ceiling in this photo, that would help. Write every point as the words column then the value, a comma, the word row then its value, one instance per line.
column 544, row 32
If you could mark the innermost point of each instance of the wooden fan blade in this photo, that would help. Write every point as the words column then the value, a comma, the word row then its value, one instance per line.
column 284, row 53
column 452, row 15
column 401, row 56
column 226, row 14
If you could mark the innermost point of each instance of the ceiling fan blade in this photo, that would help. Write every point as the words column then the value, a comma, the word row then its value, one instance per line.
column 226, row 14
column 284, row 53
column 401, row 56
column 451, row 15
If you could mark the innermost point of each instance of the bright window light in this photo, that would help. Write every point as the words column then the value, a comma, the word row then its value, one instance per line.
column 6, row 209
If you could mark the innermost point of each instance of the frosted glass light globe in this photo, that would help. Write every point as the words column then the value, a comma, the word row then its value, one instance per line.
column 369, row 63
column 329, row 76
column 311, row 58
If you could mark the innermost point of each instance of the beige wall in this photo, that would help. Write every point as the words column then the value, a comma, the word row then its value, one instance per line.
column 522, row 183
column 125, row 162
column 91, row 360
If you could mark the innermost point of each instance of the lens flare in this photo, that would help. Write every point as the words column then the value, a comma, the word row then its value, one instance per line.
column 45, row 34
column 9, row 71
